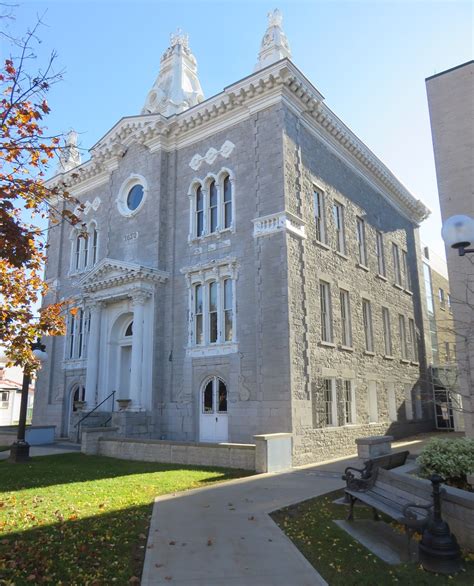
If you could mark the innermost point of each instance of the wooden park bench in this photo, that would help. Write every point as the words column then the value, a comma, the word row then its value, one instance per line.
column 372, row 486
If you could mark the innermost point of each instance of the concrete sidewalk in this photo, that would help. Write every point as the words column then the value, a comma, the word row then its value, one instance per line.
column 222, row 535
column 47, row 450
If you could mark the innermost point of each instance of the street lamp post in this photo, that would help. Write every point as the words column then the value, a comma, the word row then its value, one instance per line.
column 20, row 449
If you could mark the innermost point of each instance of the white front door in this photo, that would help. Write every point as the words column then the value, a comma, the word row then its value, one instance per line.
column 213, row 408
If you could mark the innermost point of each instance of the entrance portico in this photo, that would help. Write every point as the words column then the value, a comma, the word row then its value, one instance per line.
column 119, row 296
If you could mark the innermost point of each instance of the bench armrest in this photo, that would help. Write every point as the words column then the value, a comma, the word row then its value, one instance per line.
column 361, row 481
column 347, row 472
column 411, row 519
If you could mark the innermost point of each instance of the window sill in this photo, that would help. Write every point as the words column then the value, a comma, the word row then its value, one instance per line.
column 381, row 277
column 327, row 344
column 212, row 236
column 341, row 254
column 212, row 349
column 346, row 348
column 397, row 286
column 369, row 353
column 414, row 363
column 321, row 244
column 408, row 292
column 387, row 357
column 404, row 361
column 363, row 267
column 442, row 308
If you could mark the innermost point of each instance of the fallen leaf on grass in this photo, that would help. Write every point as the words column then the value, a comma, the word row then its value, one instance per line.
column 134, row 580
column 172, row 543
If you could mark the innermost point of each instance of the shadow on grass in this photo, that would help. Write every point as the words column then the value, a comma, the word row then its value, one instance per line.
column 74, row 467
column 104, row 549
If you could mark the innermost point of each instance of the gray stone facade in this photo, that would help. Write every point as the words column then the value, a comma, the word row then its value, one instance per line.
column 274, row 367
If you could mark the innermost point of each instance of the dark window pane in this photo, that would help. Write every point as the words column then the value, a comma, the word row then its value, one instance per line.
column 227, row 189
column 213, row 327
column 129, row 330
column 135, row 196
column 228, row 215
column 213, row 219
column 222, row 403
column 213, row 296
column 199, row 199
column 212, row 194
column 200, row 224
column 207, row 399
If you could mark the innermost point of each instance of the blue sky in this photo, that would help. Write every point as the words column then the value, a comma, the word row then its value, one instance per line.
column 369, row 60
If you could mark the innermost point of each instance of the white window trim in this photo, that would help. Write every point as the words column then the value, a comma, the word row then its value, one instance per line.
column 131, row 181
column 380, row 250
column 372, row 401
column 328, row 303
column 361, row 241
column 204, row 184
column 369, row 326
column 73, row 237
column 78, row 354
column 333, row 401
column 340, row 234
column 348, row 317
column 387, row 332
column 203, row 275
column 396, row 264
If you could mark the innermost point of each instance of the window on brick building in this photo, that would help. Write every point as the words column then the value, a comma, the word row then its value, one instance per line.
column 338, row 213
column 346, row 326
column 368, row 328
column 320, row 215
column 380, row 254
column 325, row 305
column 361, row 242
column 387, row 331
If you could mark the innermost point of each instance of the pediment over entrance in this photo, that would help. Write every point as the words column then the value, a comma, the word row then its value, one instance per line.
column 110, row 274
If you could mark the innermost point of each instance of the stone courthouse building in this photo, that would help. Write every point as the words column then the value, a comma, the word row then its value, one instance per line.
column 250, row 267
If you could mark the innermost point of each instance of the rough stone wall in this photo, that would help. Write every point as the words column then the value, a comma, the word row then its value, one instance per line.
column 309, row 162
column 444, row 320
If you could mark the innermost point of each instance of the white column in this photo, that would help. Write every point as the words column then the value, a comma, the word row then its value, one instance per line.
column 138, row 302
column 92, row 374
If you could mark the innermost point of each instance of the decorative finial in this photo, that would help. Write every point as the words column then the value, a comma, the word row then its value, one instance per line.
column 179, row 38
column 177, row 87
column 70, row 155
column 275, row 18
column 274, row 45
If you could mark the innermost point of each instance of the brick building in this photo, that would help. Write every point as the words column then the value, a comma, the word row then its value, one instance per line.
column 250, row 267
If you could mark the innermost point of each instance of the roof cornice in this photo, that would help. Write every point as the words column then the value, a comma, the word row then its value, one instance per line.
column 280, row 81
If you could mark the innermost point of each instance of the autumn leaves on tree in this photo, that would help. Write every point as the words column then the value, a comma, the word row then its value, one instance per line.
column 26, row 150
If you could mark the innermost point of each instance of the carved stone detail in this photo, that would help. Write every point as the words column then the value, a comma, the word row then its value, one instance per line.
column 211, row 155
column 282, row 221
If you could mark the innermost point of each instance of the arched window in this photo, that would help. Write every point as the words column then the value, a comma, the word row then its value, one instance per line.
column 129, row 330
column 78, row 393
column 77, row 252
column 94, row 238
column 199, row 212
column 85, row 251
column 227, row 202
column 198, row 315
column 214, row 396
column 213, row 209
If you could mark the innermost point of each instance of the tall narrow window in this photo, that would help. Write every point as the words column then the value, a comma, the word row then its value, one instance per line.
column 349, row 403
column 80, row 333
column 94, row 246
column 85, row 253
column 198, row 315
column 199, row 212
column 406, row 270
column 368, row 330
column 361, row 242
column 413, row 340
column 447, row 352
column 442, row 300
column 392, row 402
column 213, row 210
column 338, row 211
column 396, row 264
column 346, row 329
column 380, row 254
column 78, row 252
column 71, row 328
column 449, row 302
column 213, row 312
column 326, row 320
column 319, row 215
column 227, row 202
column 329, row 403
column 403, row 337
column 387, row 332
column 228, row 310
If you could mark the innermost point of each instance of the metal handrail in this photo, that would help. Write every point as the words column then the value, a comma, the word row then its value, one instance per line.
column 78, row 424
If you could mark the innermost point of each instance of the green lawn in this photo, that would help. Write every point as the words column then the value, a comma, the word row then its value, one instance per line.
column 343, row 561
column 74, row 519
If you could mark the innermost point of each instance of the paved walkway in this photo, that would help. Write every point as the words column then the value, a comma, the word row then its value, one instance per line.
column 47, row 450
column 222, row 535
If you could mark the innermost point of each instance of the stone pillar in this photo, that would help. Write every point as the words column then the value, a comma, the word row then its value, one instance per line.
column 92, row 374
column 138, row 302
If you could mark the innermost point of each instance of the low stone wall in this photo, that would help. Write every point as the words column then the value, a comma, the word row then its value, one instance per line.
column 320, row 444
column 457, row 506
column 221, row 455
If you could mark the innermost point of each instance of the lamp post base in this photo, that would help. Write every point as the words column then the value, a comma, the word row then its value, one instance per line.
column 19, row 452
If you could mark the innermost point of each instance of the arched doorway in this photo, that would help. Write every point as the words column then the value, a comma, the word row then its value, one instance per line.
column 214, row 426
column 77, row 393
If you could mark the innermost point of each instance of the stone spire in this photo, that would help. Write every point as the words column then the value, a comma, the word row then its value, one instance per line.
column 274, row 45
column 70, row 155
column 177, row 87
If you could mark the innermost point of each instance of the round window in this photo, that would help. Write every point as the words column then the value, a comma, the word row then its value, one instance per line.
column 134, row 197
